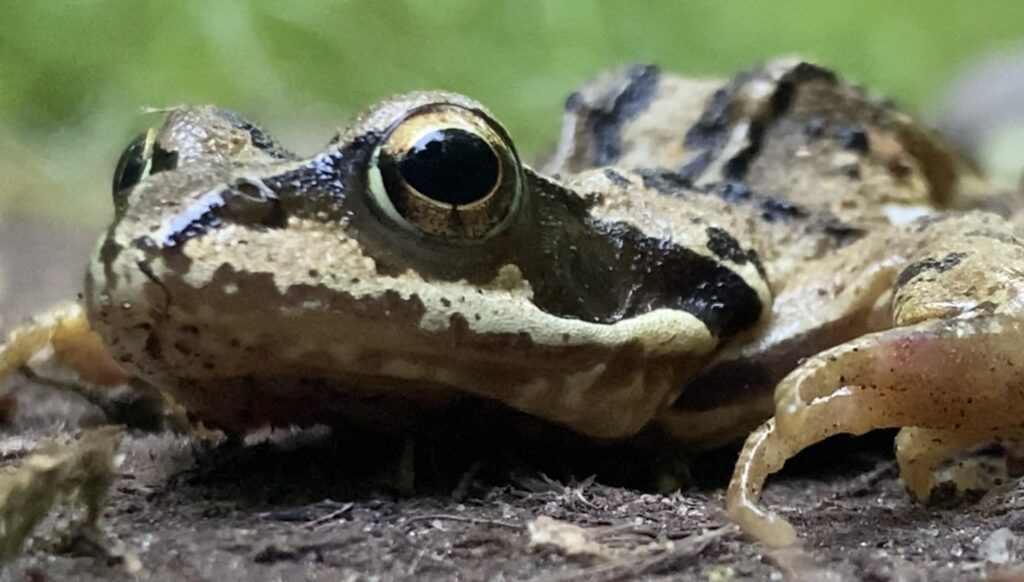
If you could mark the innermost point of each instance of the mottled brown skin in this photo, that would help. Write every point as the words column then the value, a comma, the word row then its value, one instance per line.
column 685, row 248
column 809, row 169
column 567, row 306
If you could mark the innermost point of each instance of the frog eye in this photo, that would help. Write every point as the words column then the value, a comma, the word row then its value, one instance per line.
column 142, row 157
column 447, row 171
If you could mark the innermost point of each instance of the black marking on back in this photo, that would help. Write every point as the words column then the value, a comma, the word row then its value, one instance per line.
column 770, row 209
column 617, row 178
column 259, row 138
column 605, row 124
column 712, row 130
column 930, row 264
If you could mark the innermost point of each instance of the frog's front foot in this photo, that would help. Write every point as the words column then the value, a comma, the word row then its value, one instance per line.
column 959, row 381
column 66, row 344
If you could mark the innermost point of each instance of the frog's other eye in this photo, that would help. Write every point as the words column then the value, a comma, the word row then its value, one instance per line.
column 446, row 171
column 142, row 157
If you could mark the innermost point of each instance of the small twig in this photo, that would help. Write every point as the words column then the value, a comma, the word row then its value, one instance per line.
column 314, row 523
column 641, row 563
column 474, row 520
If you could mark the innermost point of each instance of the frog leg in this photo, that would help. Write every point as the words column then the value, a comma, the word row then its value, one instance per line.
column 64, row 339
column 65, row 332
column 956, row 374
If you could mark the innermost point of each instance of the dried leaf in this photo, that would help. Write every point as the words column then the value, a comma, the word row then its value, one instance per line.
column 569, row 539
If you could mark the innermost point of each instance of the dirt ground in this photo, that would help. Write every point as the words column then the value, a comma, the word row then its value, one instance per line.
column 312, row 505
column 471, row 502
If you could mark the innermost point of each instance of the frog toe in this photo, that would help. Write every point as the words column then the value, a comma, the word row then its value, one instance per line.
column 64, row 336
column 961, row 376
column 63, row 341
column 764, row 453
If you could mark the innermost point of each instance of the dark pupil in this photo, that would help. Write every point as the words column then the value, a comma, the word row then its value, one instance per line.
column 452, row 166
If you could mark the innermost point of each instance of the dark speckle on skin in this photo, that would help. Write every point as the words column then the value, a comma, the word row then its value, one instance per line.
column 814, row 127
column 925, row 222
column 259, row 138
column 853, row 138
column 843, row 233
column 152, row 347
column 851, row 171
column 668, row 183
column 617, row 178
column 733, row 192
column 778, row 209
column 725, row 246
column 930, row 264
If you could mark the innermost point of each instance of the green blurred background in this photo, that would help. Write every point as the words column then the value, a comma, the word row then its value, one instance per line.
column 74, row 76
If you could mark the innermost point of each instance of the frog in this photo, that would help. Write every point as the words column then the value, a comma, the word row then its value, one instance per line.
column 699, row 257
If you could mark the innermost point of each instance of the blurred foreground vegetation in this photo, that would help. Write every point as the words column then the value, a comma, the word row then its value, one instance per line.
column 75, row 75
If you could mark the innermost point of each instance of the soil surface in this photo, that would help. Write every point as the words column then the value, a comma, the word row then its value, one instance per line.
column 472, row 502
column 317, row 505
